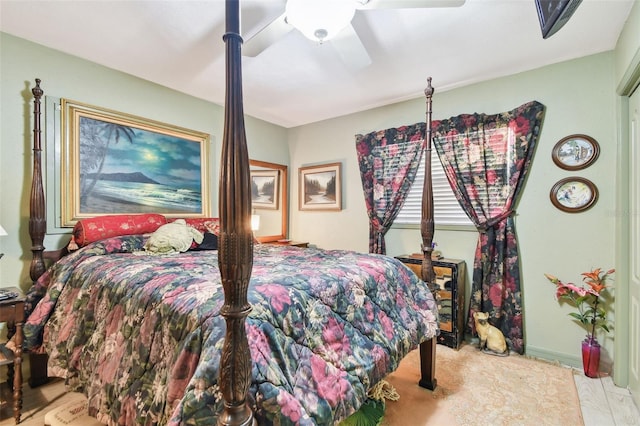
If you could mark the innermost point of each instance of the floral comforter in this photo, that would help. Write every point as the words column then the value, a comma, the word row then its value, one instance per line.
column 141, row 335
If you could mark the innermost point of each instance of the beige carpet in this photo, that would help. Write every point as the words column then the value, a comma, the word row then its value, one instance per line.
column 473, row 389
column 479, row 389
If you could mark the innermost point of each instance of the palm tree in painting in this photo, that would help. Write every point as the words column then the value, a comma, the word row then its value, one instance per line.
column 95, row 136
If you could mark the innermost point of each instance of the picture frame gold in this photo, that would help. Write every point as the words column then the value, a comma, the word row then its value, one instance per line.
column 575, row 152
column 117, row 163
column 320, row 187
column 574, row 194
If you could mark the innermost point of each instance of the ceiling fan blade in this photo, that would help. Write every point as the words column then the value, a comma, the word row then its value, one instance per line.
column 350, row 48
column 264, row 38
column 407, row 4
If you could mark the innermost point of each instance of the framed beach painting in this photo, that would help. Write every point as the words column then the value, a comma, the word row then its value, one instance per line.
column 320, row 187
column 115, row 163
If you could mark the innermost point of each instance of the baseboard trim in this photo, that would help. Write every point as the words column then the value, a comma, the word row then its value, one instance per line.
column 547, row 355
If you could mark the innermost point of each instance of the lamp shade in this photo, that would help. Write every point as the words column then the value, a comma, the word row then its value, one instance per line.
column 255, row 222
column 3, row 233
column 320, row 20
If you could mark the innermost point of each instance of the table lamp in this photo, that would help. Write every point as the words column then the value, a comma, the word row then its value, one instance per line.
column 255, row 225
column 3, row 233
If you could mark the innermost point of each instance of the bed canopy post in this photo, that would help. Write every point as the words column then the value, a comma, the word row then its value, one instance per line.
column 428, row 348
column 37, row 227
column 235, row 256
column 427, row 222
column 37, row 219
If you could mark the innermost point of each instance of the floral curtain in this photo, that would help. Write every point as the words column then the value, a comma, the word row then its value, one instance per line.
column 486, row 159
column 389, row 160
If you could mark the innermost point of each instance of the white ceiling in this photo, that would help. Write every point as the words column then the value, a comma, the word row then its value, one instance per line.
column 178, row 44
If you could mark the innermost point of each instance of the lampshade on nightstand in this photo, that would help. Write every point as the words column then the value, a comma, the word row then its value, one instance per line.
column 3, row 233
column 255, row 222
column 255, row 225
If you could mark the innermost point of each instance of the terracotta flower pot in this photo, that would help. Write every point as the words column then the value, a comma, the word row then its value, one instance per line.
column 590, row 356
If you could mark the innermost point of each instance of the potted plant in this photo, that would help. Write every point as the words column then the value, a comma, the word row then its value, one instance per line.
column 591, row 314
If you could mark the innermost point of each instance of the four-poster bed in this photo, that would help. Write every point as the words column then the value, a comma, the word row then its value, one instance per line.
column 400, row 316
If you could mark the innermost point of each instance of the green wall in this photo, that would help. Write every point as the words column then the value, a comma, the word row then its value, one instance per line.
column 579, row 96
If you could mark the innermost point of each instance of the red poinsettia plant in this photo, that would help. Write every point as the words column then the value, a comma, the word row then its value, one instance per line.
column 591, row 312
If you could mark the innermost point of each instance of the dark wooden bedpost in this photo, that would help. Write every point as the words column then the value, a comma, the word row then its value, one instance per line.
column 235, row 255
column 428, row 348
column 37, row 227
column 427, row 222
column 37, row 214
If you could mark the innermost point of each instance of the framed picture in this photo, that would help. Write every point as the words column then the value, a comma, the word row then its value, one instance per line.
column 115, row 163
column 575, row 152
column 574, row 194
column 320, row 187
column 264, row 189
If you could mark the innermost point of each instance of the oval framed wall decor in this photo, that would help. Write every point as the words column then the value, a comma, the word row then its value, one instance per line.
column 575, row 152
column 574, row 194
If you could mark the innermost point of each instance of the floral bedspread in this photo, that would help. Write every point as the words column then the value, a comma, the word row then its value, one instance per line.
column 141, row 335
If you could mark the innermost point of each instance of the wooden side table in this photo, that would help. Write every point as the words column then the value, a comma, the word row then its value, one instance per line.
column 12, row 312
column 450, row 278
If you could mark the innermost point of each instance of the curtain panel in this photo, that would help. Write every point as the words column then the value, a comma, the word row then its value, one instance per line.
column 388, row 160
column 486, row 159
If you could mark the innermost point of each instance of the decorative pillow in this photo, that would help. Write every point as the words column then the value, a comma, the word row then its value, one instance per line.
column 97, row 228
column 173, row 237
column 203, row 224
column 209, row 242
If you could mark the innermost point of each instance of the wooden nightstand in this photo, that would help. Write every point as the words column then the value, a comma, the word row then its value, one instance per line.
column 450, row 277
column 12, row 312
column 289, row 243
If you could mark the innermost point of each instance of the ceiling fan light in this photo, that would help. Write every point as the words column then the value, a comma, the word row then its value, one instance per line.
column 320, row 20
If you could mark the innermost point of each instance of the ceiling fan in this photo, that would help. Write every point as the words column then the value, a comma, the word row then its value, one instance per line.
column 330, row 21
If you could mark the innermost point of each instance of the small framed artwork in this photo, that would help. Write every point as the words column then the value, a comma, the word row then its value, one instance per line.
column 575, row 152
column 116, row 163
column 264, row 189
column 320, row 187
column 574, row 194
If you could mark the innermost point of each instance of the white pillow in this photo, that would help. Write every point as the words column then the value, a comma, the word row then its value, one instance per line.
column 173, row 237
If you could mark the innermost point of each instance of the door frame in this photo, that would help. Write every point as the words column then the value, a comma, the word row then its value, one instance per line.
column 622, row 348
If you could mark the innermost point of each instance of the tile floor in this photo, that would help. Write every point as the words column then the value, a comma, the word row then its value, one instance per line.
column 605, row 404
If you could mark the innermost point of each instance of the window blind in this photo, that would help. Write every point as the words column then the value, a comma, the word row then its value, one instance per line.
column 447, row 210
